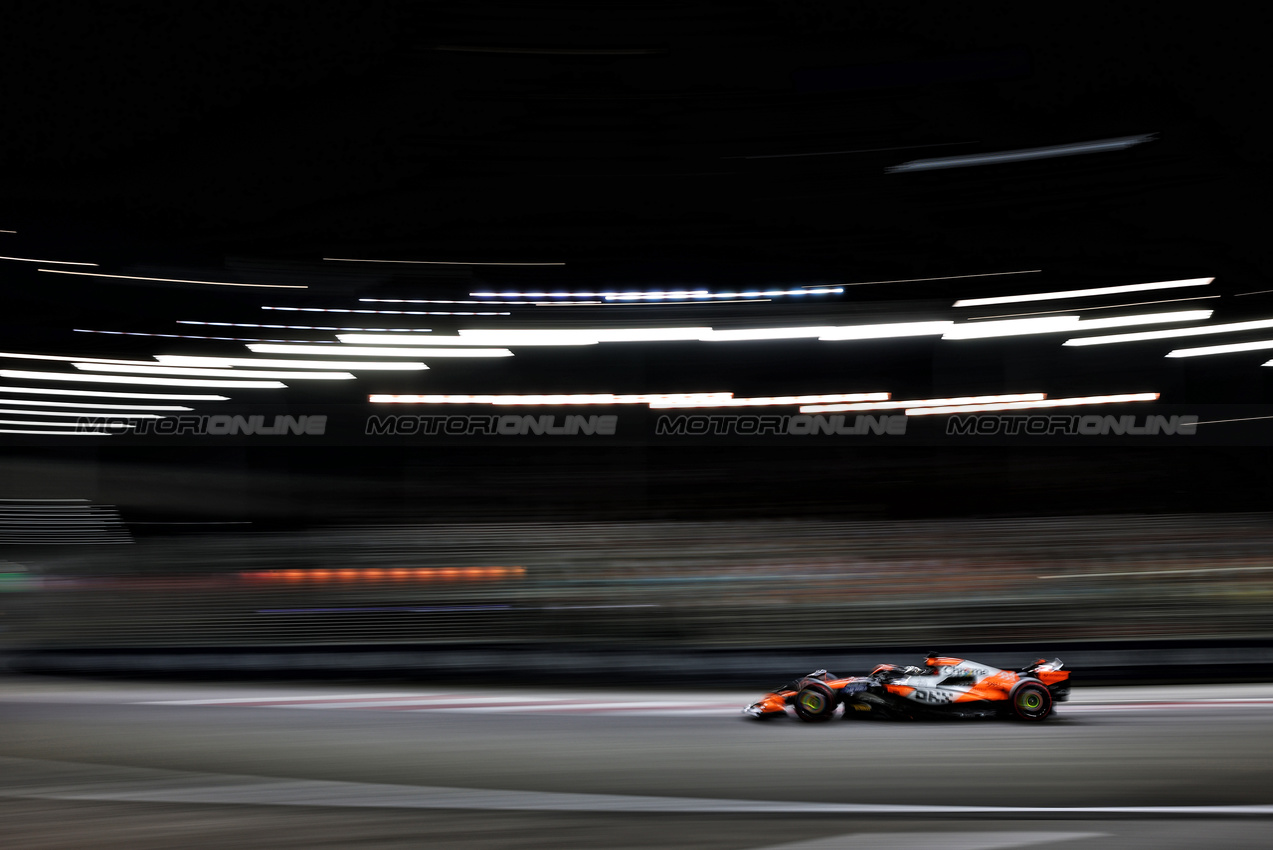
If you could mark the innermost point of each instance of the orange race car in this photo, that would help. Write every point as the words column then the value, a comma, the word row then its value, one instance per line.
column 944, row 686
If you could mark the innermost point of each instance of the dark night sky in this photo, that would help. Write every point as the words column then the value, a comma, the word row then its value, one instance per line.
column 645, row 147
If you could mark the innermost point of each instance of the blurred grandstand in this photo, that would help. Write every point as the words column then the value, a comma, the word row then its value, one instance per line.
column 690, row 585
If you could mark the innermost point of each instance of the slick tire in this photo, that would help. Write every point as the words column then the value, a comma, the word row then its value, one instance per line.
column 815, row 702
column 1031, row 701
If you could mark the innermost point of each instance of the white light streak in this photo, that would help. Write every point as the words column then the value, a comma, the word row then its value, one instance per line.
column 1013, row 327
column 1057, row 324
column 193, row 372
column 1029, row 405
column 544, row 336
column 658, row 294
column 433, row 301
column 435, row 262
column 1233, row 327
column 166, row 279
column 104, row 394
column 190, row 336
column 64, row 358
column 299, row 327
column 448, row 301
column 758, row 334
column 772, row 401
column 1022, row 155
column 1233, row 348
column 767, row 293
column 922, row 402
column 943, row 277
column 947, row 329
column 551, row 400
column 1083, row 293
column 93, row 406
column 379, row 351
column 384, row 312
column 57, row 433
column 625, row 334
column 60, row 424
column 1243, row 419
column 54, row 262
column 1144, row 319
column 81, row 413
column 1091, row 309
column 592, row 336
column 900, row 329
column 154, row 381
column 660, row 303
column 612, row 293
column 265, row 362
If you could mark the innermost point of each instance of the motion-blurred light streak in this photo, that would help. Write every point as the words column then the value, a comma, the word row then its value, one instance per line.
column 68, row 403
column 109, row 394
column 139, row 379
column 216, row 338
column 672, row 293
column 766, row 293
column 1203, row 351
column 57, row 424
column 348, row 365
column 886, row 331
column 66, row 358
column 557, row 399
column 444, row 301
column 394, row 574
column 1060, row 324
column 1031, row 405
column 191, row 371
column 661, row 294
column 537, row 336
column 378, row 351
column 81, row 413
column 1233, row 327
column 298, row 327
column 1092, row 309
column 923, row 402
column 436, row 262
column 773, row 401
column 1082, row 293
column 942, row 277
column 1022, row 155
column 384, row 312
column 54, row 262
column 166, row 279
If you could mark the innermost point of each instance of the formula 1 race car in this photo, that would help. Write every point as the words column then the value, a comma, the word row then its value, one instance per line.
column 943, row 687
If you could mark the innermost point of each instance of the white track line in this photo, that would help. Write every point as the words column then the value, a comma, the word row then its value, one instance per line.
column 946, row 840
column 544, row 705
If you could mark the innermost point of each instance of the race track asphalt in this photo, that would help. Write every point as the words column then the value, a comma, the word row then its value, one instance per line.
column 127, row 765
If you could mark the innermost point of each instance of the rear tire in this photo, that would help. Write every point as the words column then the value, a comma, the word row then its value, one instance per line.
column 815, row 702
column 1031, row 701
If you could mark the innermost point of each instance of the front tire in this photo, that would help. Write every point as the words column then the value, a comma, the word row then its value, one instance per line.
column 815, row 702
column 1031, row 701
